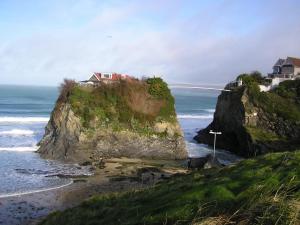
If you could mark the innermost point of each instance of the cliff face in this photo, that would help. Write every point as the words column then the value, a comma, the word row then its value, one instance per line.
column 254, row 122
column 133, row 119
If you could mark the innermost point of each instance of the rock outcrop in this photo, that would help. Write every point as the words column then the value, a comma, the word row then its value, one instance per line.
column 254, row 122
column 206, row 162
column 71, row 135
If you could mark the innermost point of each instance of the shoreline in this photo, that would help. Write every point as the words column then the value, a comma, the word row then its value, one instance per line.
column 119, row 175
column 35, row 191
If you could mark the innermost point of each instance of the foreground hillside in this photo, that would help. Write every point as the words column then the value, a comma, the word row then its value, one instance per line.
column 254, row 122
column 264, row 190
column 130, row 118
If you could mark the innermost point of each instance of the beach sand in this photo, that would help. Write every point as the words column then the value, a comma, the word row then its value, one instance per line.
column 121, row 174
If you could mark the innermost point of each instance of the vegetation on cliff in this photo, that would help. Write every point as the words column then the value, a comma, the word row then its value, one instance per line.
column 127, row 104
column 264, row 190
column 254, row 122
column 248, row 79
column 126, row 118
column 283, row 102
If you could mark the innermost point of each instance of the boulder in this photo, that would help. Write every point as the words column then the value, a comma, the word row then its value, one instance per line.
column 203, row 162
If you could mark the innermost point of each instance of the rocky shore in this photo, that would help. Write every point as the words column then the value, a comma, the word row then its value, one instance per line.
column 118, row 174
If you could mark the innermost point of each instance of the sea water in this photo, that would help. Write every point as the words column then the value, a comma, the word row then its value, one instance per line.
column 195, row 110
column 25, row 111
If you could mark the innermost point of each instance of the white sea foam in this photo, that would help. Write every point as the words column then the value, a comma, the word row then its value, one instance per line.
column 16, row 132
column 19, row 149
column 23, row 119
column 188, row 116
column 35, row 191
column 210, row 110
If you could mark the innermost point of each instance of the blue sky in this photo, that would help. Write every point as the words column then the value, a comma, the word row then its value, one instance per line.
column 204, row 42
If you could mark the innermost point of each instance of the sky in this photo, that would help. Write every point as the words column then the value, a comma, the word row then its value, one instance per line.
column 183, row 41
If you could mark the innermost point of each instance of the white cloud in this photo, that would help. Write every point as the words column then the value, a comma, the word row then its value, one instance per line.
column 183, row 49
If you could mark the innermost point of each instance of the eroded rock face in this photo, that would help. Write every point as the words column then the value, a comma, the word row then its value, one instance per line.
column 229, row 118
column 62, row 133
column 66, row 139
column 235, row 114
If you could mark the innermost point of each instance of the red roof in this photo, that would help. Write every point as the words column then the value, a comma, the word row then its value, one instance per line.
column 295, row 61
column 97, row 75
column 114, row 76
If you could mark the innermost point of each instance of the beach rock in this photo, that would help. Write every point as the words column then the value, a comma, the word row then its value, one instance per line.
column 198, row 162
column 206, row 162
column 68, row 138
column 247, row 128
column 212, row 163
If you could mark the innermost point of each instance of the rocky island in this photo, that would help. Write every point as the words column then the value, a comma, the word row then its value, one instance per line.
column 254, row 122
column 126, row 118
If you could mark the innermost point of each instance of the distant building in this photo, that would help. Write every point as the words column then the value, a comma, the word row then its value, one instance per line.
column 283, row 69
column 96, row 77
column 286, row 68
column 239, row 82
column 234, row 84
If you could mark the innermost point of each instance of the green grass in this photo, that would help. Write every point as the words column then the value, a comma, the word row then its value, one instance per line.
column 262, row 135
column 257, row 191
column 283, row 101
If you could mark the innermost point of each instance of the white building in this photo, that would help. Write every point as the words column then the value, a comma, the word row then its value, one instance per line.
column 286, row 68
column 283, row 69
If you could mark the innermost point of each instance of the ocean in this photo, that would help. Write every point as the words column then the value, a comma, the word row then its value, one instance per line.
column 25, row 111
column 195, row 110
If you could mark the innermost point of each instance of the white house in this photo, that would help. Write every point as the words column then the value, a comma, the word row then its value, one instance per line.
column 283, row 69
column 286, row 68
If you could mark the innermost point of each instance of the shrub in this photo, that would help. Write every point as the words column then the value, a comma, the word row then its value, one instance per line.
column 65, row 89
column 257, row 76
column 159, row 89
column 253, row 77
column 289, row 89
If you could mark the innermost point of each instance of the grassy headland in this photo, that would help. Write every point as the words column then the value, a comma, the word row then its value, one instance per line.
column 254, row 122
column 134, row 105
column 281, row 103
column 264, row 190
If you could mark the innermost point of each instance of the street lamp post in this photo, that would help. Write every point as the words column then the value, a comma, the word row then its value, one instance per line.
column 215, row 138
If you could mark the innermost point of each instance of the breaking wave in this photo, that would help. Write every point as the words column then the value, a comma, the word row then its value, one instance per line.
column 35, row 191
column 16, row 132
column 210, row 110
column 19, row 149
column 23, row 119
column 189, row 116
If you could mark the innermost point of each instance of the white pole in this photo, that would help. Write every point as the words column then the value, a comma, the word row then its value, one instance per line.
column 215, row 139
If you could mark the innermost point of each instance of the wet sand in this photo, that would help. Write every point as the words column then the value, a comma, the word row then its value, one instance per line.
column 120, row 174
